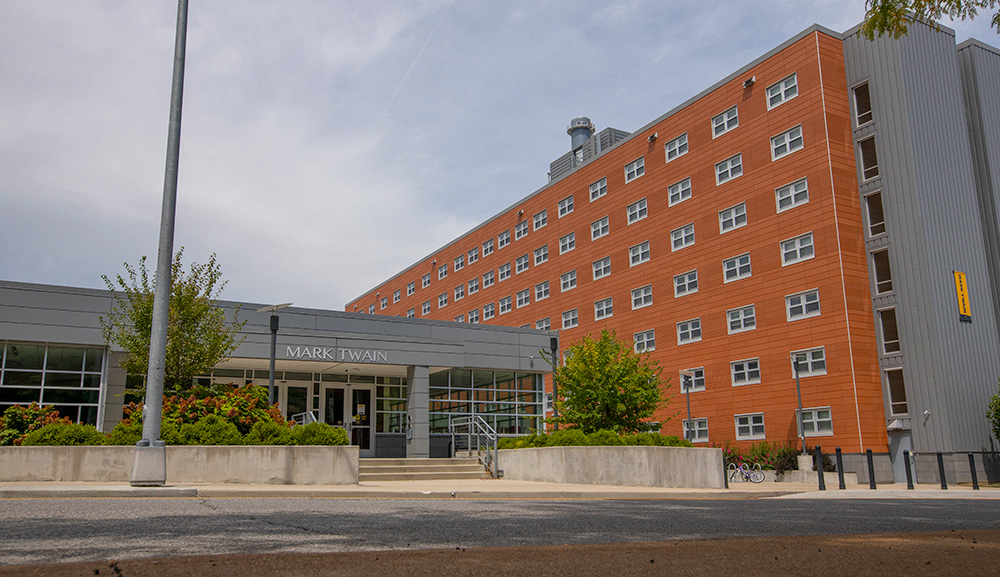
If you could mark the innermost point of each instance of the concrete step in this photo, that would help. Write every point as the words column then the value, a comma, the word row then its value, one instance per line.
column 471, row 468
column 416, row 462
column 446, row 476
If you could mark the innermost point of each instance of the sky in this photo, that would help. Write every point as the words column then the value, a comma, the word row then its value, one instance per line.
column 327, row 145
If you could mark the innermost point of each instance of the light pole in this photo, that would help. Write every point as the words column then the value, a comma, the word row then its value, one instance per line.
column 687, row 389
column 798, row 391
column 271, row 393
column 554, row 347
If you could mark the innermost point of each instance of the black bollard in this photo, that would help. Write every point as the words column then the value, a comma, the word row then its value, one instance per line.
column 909, row 473
column 972, row 467
column 840, row 470
column 871, row 470
column 944, row 483
column 818, row 460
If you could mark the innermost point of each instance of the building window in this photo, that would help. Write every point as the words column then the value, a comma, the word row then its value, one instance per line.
column 736, row 268
column 862, row 105
column 636, row 211
column 460, row 292
column 689, row 331
column 567, row 281
column 488, row 247
column 565, row 206
column 371, row 309
column 603, row 309
column 503, row 239
column 817, row 422
column 474, row 286
column 745, row 372
column 749, row 426
column 504, row 305
column 474, row 316
column 642, row 297
column 410, row 313
column 570, row 319
column 384, row 303
column 639, row 253
column 686, row 283
column 786, row 143
column 425, row 281
column 442, row 271
column 567, row 243
column 695, row 384
column 875, row 214
column 883, row 274
column 725, row 122
column 802, row 305
column 540, row 219
column 742, row 319
column 812, row 362
column 542, row 291
column 541, row 254
column 644, row 341
column 523, row 298
column 869, row 158
column 602, row 267
column 411, row 288
column 425, row 309
column 696, row 430
column 521, row 263
column 890, row 331
column 682, row 237
column 543, row 324
column 442, row 300
column 679, row 191
column 460, row 262
column 504, row 271
column 635, row 169
column 780, row 92
column 487, row 279
column 599, row 228
column 677, row 147
column 797, row 249
column 396, row 296
column 520, row 230
column 733, row 217
column 598, row 189
column 792, row 195
column 729, row 169
column 897, row 392
column 460, row 319
column 488, row 311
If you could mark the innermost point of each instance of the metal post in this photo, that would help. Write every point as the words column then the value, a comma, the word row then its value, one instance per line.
column 818, row 460
column 840, row 470
column 944, row 482
column 687, row 428
column 909, row 473
column 272, row 394
column 798, row 391
column 149, row 464
column 554, row 347
column 972, row 468
column 871, row 470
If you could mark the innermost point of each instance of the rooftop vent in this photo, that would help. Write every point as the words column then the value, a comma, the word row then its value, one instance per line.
column 580, row 129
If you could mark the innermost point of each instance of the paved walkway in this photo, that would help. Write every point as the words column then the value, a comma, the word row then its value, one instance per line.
column 486, row 489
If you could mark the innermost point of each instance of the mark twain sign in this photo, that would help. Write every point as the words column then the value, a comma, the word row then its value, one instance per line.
column 337, row 354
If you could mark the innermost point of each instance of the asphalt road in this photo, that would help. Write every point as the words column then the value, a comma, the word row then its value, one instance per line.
column 61, row 530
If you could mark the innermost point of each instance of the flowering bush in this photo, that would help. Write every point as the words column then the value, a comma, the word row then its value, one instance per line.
column 18, row 421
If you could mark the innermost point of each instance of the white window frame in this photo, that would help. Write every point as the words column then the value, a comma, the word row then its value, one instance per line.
column 741, row 319
column 725, row 121
column 489, row 311
column 542, row 291
column 540, row 219
column 644, row 341
column 676, row 148
column 602, row 267
column 638, row 254
column 753, row 422
column 523, row 298
column 567, row 243
column 371, row 309
column 565, row 206
column 411, row 288
column 812, row 423
column 460, row 262
column 474, row 316
column 737, row 263
column 729, row 169
column 869, row 225
column 425, row 308
column 782, row 91
column 442, row 271
column 521, row 230
column 544, row 324
column 746, row 367
column 698, row 433
column 442, row 300
column 689, row 331
column 854, row 101
column 570, row 318
column 600, row 227
column 505, row 305
column 397, row 295
column 787, row 142
column 802, row 300
column 604, row 309
column 567, row 278
column 541, row 254
column 488, row 279
column 598, row 189
column 636, row 211
column 503, row 239
column 384, row 303
column 473, row 255
column 473, row 285
column 733, row 218
column 682, row 233
column 642, row 297
column 635, row 169
column 799, row 243
column 460, row 318
column 488, row 247
column 411, row 313
column 797, row 194
column 460, row 292
column 812, row 362
column 681, row 190
column 697, row 382
column 522, row 263
column 868, row 172
column 503, row 272
column 425, row 281
column 685, row 281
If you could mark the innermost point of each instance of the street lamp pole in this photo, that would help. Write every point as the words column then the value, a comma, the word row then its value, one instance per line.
column 272, row 396
column 554, row 347
column 689, row 375
column 798, row 391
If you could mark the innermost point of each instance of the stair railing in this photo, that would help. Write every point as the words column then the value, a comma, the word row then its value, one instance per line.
column 479, row 436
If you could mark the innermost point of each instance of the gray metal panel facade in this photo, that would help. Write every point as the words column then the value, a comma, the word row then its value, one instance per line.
column 933, row 228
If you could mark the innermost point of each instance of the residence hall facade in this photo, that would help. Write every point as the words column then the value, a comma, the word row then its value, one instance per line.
column 372, row 376
column 814, row 204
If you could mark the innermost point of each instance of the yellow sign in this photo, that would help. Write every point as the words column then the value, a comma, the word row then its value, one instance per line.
column 962, row 291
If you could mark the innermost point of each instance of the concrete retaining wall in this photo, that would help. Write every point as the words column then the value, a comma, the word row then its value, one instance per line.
column 634, row 466
column 276, row 465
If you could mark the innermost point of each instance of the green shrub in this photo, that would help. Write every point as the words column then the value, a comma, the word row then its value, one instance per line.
column 565, row 438
column 126, row 433
column 210, row 430
column 318, row 434
column 18, row 421
column 64, row 434
column 269, row 433
column 508, row 442
column 604, row 437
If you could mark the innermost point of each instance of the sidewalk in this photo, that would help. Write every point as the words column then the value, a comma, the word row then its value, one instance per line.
column 483, row 489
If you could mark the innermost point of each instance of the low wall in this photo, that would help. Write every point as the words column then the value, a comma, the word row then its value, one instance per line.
column 274, row 465
column 635, row 466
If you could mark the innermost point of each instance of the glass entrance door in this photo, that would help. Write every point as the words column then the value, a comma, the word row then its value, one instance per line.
column 333, row 407
column 296, row 401
column 362, row 413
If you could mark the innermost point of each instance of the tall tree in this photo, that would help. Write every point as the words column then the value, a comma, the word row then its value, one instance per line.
column 604, row 384
column 199, row 336
column 892, row 17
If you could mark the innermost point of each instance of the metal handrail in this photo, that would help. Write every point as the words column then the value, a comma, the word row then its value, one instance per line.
column 304, row 418
column 486, row 440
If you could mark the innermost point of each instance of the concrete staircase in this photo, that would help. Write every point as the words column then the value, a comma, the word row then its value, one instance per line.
column 420, row 469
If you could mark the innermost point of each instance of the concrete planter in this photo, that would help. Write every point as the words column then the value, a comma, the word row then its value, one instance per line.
column 275, row 465
column 633, row 466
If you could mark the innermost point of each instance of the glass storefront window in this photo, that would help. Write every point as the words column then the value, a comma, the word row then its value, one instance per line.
column 67, row 377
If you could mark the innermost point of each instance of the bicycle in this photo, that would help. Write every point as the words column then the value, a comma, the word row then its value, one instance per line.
column 744, row 473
